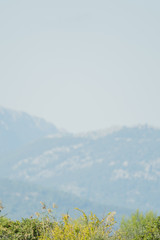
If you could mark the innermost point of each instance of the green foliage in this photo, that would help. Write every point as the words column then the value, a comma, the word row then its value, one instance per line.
column 46, row 227
column 139, row 226
column 27, row 229
column 84, row 228
column 87, row 227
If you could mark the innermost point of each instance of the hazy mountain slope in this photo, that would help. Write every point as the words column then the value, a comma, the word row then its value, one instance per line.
column 21, row 199
column 119, row 168
column 19, row 128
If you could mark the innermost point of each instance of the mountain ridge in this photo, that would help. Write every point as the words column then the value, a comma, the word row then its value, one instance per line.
column 115, row 167
column 18, row 128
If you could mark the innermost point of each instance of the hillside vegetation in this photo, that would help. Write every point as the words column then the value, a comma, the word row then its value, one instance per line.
column 86, row 227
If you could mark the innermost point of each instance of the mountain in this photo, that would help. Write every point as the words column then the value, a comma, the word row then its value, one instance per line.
column 118, row 168
column 18, row 129
column 22, row 199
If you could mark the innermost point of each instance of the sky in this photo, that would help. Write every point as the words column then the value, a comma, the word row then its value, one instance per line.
column 82, row 65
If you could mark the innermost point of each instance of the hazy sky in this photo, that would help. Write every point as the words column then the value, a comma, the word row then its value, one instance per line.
column 83, row 65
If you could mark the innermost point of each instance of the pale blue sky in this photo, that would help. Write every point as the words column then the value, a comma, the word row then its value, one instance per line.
column 83, row 65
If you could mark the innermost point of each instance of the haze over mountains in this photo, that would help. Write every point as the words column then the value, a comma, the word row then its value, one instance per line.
column 117, row 169
column 19, row 128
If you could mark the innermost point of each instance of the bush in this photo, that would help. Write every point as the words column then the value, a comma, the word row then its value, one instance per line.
column 85, row 228
column 45, row 227
column 27, row 229
column 139, row 226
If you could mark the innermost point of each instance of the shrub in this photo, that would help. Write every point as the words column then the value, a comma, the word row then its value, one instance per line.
column 45, row 227
column 27, row 229
column 85, row 228
column 139, row 226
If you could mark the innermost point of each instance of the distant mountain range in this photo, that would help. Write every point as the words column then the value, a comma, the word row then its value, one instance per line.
column 118, row 168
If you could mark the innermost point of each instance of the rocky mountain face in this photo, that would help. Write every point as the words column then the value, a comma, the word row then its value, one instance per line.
column 119, row 167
